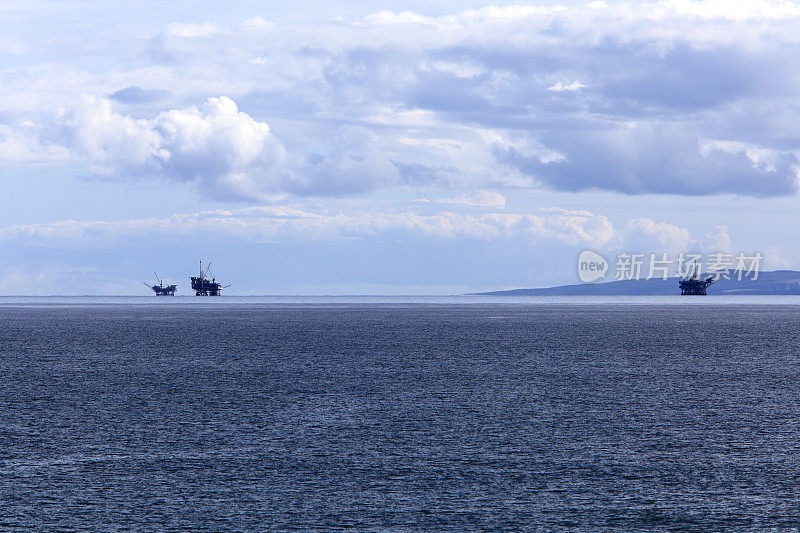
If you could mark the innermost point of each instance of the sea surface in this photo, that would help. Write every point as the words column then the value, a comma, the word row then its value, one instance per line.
column 400, row 414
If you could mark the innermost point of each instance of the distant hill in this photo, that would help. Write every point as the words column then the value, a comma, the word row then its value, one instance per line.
column 778, row 282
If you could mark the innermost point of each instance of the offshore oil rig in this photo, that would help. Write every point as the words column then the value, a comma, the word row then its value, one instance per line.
column 693, row 285
column 202, row 286
column 160, row 289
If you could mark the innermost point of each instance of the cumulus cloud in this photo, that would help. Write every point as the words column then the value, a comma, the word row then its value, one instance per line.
column 645, row 235
column 228, row 153
column 717, row 241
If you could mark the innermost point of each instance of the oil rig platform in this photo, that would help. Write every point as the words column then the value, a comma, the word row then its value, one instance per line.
column 202, row 286
column 160, row 289
column 693, row 285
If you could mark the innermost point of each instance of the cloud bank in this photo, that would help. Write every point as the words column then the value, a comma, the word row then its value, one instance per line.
column 284, row 223
column 541, row 229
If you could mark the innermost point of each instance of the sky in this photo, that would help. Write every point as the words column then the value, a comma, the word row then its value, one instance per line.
column 389, row 147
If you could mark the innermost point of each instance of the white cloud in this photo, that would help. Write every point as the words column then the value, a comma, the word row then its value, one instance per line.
column 775, row 259
column 257, row 24
column 718, row 241
column 228, row 153
column 545, row 228
column 733, row 9
column 392, row 18
column 279, row 223
column 561, row 86
column 23, row 145
column 472, row 199
column 644, row 235
column 193, row 30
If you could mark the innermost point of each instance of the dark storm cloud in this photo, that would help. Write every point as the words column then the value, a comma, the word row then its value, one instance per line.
column 661, row 159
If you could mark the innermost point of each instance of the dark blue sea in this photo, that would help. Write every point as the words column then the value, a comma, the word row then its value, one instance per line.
column 399, row 414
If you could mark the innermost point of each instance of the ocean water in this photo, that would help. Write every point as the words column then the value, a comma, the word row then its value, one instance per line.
column 399, row 414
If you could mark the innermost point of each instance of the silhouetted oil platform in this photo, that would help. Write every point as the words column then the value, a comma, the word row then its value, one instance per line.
column 693, row 285
column 160, row 289
column 202, row 286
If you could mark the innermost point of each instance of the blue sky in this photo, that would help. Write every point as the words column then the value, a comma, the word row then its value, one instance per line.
column 388, row 147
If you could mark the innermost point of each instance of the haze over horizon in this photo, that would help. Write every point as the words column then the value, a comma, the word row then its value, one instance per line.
column 389, row 147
